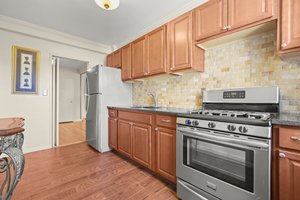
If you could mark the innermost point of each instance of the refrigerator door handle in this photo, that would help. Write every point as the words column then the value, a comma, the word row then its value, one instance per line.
column 87, row 87
column 87, row 99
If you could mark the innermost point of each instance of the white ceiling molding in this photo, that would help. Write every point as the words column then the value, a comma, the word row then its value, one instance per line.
column 188, row 7
column 25, row 28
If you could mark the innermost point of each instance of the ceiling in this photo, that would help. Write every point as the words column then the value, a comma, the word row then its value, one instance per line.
column 85, row 19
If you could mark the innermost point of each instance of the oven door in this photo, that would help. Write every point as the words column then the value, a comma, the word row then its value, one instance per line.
column 226, row 167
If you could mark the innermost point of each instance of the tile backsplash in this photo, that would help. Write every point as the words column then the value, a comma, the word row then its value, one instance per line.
column 250, row 62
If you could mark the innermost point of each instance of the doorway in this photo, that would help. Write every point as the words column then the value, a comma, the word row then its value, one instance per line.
column 68, row 100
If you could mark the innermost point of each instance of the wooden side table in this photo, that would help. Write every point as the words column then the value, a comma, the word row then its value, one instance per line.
column 11, row 155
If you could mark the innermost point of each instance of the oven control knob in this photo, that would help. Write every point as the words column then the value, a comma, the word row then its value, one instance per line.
column 231, row 127
column 243, row 129
column 195, row 123
column 211, row 125
column 188, row 122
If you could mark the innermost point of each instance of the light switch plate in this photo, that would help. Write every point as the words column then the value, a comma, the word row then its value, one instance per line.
column 45, row 92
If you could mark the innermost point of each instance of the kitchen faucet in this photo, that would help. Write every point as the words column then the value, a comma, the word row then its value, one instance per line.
column 154, row 96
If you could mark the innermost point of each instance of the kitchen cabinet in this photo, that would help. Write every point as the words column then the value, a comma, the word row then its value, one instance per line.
column 149, row 139
column 113, row 129
column 286, row 163
column 116, row 59
column 289, row 26
column 141, row 143
column 126, row 62
column 139, row 58
column 157, row 51
column 182, row 52
column 219, row 16
column 109, row 60
column 124, row 137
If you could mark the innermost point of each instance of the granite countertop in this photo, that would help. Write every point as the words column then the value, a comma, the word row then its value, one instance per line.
column 287, row 119
column 163, row 110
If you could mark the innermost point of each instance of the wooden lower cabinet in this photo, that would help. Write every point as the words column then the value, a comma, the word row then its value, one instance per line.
column 289, row 175
column 113, row 132
column 166, row 153
column 124, row 137
column 141, row 144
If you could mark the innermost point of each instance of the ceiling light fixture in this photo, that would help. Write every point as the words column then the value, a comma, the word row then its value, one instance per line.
column 108, row 4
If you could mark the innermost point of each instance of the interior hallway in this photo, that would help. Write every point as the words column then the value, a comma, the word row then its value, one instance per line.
column 71, row 133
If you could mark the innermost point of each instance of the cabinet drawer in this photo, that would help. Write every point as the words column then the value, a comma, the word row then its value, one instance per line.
column 166, row 121
column 112, row 113
column 289, row 138
column 136, row 117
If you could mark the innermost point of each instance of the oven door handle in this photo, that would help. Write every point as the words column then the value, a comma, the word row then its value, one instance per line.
column 192, row 191
column 227, row 140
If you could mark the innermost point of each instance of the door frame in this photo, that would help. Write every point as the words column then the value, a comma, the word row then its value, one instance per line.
column 54, row 97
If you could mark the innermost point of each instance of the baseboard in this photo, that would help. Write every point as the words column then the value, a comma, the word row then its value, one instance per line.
column 38, row 148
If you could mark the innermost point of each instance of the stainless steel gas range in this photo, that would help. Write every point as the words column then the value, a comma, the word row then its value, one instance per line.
column 224, row 151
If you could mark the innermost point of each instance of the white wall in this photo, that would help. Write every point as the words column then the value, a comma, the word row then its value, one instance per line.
column 69, row 97
column 36, row 109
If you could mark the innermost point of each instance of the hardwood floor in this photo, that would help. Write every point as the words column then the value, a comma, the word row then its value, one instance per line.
column 78, row 172
column 71, row 133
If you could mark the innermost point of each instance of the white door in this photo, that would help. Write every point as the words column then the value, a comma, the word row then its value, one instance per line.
column 66, row 99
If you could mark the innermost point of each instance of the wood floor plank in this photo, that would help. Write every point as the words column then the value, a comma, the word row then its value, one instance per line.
column 78, row 172
column 71, row 133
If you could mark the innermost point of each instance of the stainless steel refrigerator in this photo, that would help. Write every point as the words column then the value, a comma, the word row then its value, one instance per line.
column 103, row 88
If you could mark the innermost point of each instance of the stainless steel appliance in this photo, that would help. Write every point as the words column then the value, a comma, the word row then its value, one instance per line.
column 223, row 151
column 103, row 88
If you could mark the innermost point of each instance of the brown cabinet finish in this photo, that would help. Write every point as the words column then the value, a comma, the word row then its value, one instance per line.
column 141, row 144
column 109, row 60
column 113, row 132
column 289, row 175
column 289, row 26
column 139, row 58
column 245, row 12
column 116, row 60
column 157, row 51
column 112, row 113
column 210, row 19
column 182, row 52
column 124, row 137
column 166, row 153
column 167, row 121
column 126, row 62
column 289, row 138
column 141, row 117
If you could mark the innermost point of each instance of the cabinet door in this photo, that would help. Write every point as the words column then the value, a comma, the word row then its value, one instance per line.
column 210, row 19
column 180, row 38
column 289, row 24
column 289, row 175
column 113, row 132
column 138, row 61
column 245, row 12
column 109, row 60
column 124, row 137
column 166, row 153
column 141, row 141
column 126, row 62
column 117, row 58
column 157, row 51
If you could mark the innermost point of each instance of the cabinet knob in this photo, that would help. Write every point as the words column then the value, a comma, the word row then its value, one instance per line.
column 294, row 138
column 283, row 45
column 281, row 155
column 131, row 123
column 156, row 129
column 228, row 27
column 224, row 28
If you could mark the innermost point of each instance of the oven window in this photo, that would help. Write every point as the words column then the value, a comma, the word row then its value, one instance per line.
column 230, row 164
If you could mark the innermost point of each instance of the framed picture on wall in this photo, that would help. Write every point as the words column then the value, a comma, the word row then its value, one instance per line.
column 25, row 70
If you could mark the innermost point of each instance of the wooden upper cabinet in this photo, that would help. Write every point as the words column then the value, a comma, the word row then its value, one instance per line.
column 116, row 60
column 289, row 175
column 245, row 12
column 210, row 19
column 157, row 51
column 138, row 58
column 141, row 145
column 126, row 63
column 166, row 153
column 289, row 23
column 109, row 60
column 124, row 137
column 182, row 52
